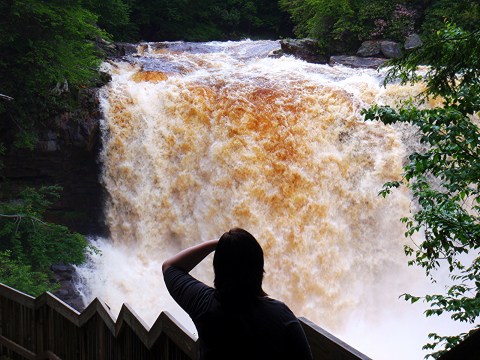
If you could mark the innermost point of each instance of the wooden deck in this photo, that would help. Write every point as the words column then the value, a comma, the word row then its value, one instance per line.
column 47, row 328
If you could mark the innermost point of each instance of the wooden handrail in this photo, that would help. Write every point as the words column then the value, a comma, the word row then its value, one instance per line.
column 50, row 329
column 47, row 312
column 326, row 346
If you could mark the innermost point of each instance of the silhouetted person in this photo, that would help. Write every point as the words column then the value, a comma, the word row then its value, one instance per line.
column 236, row 320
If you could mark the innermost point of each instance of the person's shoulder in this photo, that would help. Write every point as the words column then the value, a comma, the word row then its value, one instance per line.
column 273, row 302
column 278, row 307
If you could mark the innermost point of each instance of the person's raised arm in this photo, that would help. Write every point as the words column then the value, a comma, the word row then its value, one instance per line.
column 189, row 258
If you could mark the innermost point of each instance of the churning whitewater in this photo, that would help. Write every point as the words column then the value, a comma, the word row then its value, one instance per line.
column 200, row 138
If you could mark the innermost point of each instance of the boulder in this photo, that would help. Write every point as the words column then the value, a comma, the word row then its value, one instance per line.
column 379, row 48
column 122, row 49
column 357, row 61
column 62, row 268
column 305, row 49
column 390, row 49
column 369, row 48
column 115, row 50
column 66, row 276
column 413, row 41
column 275, row 54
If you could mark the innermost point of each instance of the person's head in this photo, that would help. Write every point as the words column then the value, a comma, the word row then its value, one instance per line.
column 238, row 266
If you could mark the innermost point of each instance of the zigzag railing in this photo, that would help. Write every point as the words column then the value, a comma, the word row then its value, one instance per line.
column 47, row 328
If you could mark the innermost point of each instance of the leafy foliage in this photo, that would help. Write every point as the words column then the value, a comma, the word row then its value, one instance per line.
column 444, row 178
column 340, row 25
column 28, row 245
column 463, row 13
column 20, row 276
column 48, row 43
column 113, row 17
column 47, row 50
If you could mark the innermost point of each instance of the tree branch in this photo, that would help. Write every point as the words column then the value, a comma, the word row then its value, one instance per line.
column 19, row 217
column 6, row 97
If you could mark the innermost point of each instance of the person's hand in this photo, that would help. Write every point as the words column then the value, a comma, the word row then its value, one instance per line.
column 189, row 258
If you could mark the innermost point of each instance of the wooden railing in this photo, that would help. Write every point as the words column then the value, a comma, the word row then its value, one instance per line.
column 47, row 328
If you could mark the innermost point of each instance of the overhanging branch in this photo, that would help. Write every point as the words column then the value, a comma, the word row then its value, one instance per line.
column 6, row 97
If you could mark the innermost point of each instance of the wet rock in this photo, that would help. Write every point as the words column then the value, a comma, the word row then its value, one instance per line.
column 380, row 48
column 61, row 268
column 390, row 49
column 357, row 61
column 413, row 41
column 276, row 54
column 123, row 49
column 66, row 276
column 115, row 50
column 369, row 48
column 62, row 293
column 305, row 49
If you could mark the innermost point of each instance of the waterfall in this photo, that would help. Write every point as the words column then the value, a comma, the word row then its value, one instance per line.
column 200, row 138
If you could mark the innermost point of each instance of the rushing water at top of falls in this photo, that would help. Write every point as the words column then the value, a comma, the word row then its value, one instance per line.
column 200, row 138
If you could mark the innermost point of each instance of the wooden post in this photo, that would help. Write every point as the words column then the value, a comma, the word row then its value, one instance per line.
column 40, row 324
column 101, row 338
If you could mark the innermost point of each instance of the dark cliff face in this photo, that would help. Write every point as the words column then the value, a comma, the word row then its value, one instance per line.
column 67, row 154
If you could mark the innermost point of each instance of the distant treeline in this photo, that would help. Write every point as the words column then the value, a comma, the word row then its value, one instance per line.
column 190, row 20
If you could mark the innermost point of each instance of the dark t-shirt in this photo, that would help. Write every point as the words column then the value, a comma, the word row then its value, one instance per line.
column 265, row 330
